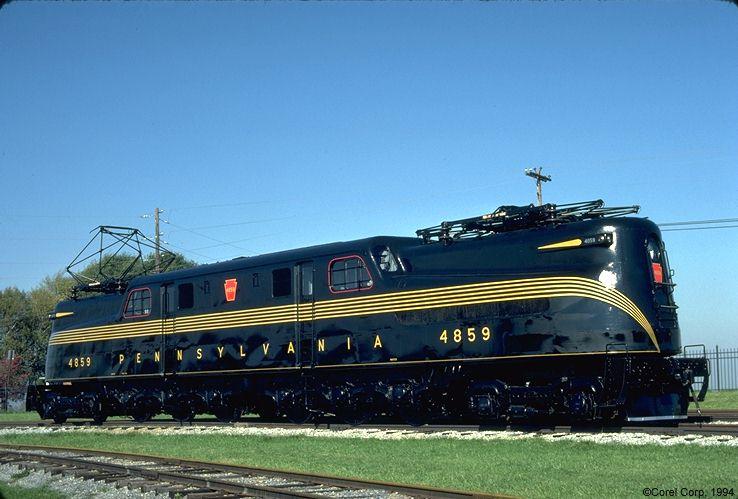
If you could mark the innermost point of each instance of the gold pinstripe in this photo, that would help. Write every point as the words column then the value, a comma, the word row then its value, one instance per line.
column 156, row 323
column 400, row 301
column 517, row 290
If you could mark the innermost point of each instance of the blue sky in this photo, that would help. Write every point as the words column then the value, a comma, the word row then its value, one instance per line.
column 333, row 121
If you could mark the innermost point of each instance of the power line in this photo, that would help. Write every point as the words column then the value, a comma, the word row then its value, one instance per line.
column 701, row 222
column 159, row 242
column 703, row 228
column 250, row 222
column 185, row 250
column 678, row 226
column 193, row 231
column 237, row 241
column 227, row 205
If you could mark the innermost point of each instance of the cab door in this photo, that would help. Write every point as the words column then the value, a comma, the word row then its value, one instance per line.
column 167, row 325
column 305, row 305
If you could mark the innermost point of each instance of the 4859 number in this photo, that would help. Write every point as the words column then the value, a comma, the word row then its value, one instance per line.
column 469, row 334
column 79, row 362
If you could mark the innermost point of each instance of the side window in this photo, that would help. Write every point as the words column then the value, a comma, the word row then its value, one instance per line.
column 348, row 274
column 138, row 303
column 185, row 296
column 281, row 282
column 654, row 249
column 386, row 261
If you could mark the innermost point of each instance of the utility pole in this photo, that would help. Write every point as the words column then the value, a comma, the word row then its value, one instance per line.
column 157, row 237
column 536, row 174
column 157, row 253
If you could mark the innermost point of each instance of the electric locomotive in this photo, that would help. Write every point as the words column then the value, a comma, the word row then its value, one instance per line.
column 553, row 312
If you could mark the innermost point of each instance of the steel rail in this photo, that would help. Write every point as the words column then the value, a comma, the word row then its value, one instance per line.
column 299, row 479
column 718, row 414
column 159, row 476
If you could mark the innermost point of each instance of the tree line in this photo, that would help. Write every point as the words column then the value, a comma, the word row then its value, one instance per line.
column 24, row 317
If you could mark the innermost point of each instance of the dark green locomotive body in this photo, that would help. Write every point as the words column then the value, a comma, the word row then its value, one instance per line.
column 382, row 319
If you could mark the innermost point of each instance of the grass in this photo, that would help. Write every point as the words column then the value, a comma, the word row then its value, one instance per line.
column 725, row 399
column 529, row 468
column 19, row 416
column 10, row 491
column 20, row 474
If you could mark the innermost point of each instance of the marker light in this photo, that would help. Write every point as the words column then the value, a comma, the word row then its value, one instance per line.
column 658, row 272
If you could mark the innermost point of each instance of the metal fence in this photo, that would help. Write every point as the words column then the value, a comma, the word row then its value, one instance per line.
column 723, row 365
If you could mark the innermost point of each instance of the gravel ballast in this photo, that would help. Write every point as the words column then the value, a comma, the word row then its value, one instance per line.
column 409, row 434
column 68, row 485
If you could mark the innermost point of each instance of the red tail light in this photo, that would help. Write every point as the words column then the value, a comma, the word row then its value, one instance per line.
column 658, row 273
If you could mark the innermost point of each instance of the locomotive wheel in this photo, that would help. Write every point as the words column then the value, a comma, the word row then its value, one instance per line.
column 293, row 404
column 59, row 419
column 299, row 415
column 489, row 410
column 142, row 416
column 356, row 416
column 356, row 409
column 487, row 403
column 266, row 406
column 416, row 408
column 581, row 405
column 227, row 414
column 183, row 414
column 414, row 417
column 99, row 419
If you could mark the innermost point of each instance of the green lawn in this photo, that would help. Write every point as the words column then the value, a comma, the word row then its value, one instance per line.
column 19, row 416
column 726, row 399
column 529, row 468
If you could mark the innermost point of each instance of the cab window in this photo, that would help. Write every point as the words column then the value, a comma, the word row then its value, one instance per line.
column 348, row 273
column 138, row 303
column 385, row 259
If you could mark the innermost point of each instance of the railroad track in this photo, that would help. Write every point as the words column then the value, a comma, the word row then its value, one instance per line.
column 201, row 479
column 718, row 414
column 700, row 427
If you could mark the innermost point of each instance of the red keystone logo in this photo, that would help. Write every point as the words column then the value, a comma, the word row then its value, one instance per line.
column 230, row 286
